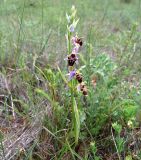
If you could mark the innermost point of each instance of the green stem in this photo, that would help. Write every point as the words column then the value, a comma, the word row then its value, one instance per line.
column 72, row 91
column 69, row 42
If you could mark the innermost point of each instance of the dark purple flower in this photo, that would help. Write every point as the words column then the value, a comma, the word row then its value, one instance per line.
column 72, row 58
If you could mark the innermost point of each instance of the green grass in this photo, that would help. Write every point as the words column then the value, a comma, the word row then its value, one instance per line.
column 34, row 97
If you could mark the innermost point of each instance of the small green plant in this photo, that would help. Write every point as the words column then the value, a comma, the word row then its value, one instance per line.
column 94, row 150
column 118, row 141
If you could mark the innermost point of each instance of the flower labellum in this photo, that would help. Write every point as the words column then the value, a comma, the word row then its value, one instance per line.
column 79, row 77
column 79, row 41
column 72, row 59
column 81, row 87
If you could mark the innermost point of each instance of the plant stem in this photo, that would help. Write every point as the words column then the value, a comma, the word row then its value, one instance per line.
column 74, row 123
column 69, row 42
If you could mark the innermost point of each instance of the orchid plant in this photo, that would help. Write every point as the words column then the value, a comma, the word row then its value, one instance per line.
column 75, row 78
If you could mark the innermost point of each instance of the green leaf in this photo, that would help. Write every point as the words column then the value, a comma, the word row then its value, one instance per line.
column 43, row 93
column 117, row 127
column 76, row 121
column 129, row 109
column 75, row 23
column 129, row 157
column 93, row 147
column 63, row 77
